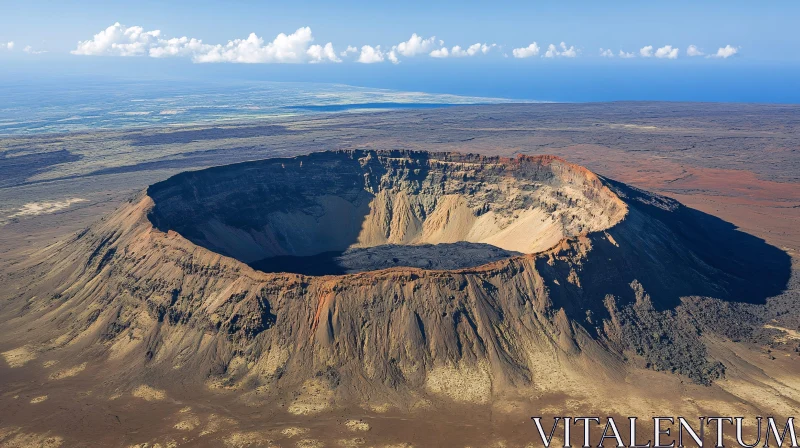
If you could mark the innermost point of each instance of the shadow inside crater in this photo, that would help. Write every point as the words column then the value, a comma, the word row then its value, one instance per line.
column 446, row 256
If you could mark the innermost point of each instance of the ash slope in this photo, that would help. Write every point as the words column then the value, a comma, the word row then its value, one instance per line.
column 161, row 292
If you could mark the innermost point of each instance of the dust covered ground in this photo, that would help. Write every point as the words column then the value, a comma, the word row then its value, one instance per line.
column 737, row 162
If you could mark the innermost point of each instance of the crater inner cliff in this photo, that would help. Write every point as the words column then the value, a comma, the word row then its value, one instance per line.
column 332, row 213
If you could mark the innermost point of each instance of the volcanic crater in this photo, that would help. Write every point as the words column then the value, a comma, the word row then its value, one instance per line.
column 436, row 276
column 339, row 213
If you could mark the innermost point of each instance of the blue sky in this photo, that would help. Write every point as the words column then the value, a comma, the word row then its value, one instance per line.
column 741, row 49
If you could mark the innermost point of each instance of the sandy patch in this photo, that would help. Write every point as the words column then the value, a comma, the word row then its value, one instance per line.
column 149, row 393
column 357, row 425
column 315, row 396
column 462, row 383
column 294, row 431
column 188, row 421
column 13, row 438
column 39, row 399
column 275, row 359
column 18, row 357
column 309, row 443
column 216, row 423
column 167, row 444
column 247, row 439
column 380, row 408
column 68, row 373
column 44, row 207
column 789, row 334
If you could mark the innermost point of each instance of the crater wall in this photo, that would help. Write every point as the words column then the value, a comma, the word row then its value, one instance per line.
column 327, row 202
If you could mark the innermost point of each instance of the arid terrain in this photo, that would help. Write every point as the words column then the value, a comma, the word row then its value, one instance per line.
column 472, row 267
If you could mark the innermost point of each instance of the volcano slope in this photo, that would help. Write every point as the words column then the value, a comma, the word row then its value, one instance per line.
column 454, row 280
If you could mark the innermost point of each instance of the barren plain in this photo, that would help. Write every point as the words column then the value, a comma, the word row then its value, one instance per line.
column 738, row 163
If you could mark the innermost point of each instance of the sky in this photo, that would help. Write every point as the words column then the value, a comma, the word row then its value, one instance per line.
column 556, row 51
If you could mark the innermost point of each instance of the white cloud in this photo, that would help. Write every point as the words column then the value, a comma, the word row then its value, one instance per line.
column 10, row 45
column 606, row 53
column 120, row 40
column 646, row 52
column 370, row 55
column 526, row 52
column 392, row 56
column 412, row 47
column 178, row 46
column 625, row 55
column 694, row 51
column 667, row 52
column 484, row 48
column 290, row 48
column 415, row 45
column 318, row 53
column 553, row 51
column 458, row 52
column 568, row 52
column 28, row 49
column 350, row 49
column 441, row 52
column 726, row 52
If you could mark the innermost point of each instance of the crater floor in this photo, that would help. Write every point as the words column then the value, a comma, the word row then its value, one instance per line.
column 445, row 256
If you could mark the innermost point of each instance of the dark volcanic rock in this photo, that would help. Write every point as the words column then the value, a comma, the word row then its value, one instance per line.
column 443, row 256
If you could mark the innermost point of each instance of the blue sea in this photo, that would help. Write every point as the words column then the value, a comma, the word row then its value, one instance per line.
column 118, row 93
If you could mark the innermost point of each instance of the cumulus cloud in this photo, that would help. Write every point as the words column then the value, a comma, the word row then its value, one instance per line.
column 285, row 48
column 10, row 45
column 412, row 47
column 606, row 53
column 459, row 52
column 440, row 53
column 474, row 49
column 694, row 51
column 625, row 55
column 526, row 52
column 415, row 45
column 392, row 56
column 370, row 55
column 646, row 52
column 560, row 51
column 726, row 52
column 318, row 53
column 120, row 40
column 667, row 52
column 350, row 49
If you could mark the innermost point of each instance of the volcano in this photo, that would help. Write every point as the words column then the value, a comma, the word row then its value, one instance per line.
column 391, row 278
